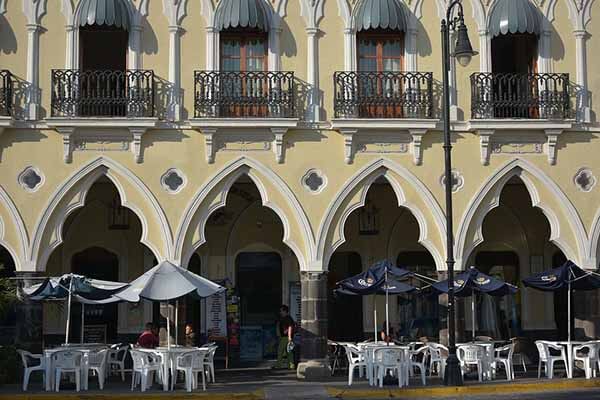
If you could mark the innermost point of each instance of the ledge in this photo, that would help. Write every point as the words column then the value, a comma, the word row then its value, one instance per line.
column 384, row 123
column 244, row 123
column 518, row 123
column 5, row 122
column 79, row 133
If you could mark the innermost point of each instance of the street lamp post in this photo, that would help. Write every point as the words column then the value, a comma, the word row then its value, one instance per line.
column 463, row 52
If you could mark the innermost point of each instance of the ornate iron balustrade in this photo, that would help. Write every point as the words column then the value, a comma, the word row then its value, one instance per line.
column 102, row 93
column 6, row 93
column 219, row 94
column 383, row 94
column 517, row 95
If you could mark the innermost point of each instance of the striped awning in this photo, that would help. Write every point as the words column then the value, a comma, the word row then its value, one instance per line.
column 242, row 14
column 104, row 12
column 515, row 16
column 381, row 14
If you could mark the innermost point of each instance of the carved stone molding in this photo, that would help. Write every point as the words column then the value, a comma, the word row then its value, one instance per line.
column 458, row 181
column 173, row 181
column 314, row 181
column 31, row 179
column 584, row 180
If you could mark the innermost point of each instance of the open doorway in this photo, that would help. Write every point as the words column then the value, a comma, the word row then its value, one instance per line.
column 95, row 263
column 258, row 281
column 344, row 309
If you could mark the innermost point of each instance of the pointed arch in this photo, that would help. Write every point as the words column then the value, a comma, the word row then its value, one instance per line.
column 71, row 195
column 594, row 249
column 297, row 232
column 331, row 231
column 17, row 250
column 470, row 234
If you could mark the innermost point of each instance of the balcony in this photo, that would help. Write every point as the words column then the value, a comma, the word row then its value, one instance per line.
column 6, row 93
column 380, row 95
column 127, row 94
column 520, row 96
column 240, row 95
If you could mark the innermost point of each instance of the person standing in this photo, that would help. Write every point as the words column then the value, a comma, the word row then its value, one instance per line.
column 285, row 330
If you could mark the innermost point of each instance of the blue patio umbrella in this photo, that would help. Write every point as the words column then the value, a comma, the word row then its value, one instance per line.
column 381, row 278
column 71, row 287
column 472, row 281
column 564, row 278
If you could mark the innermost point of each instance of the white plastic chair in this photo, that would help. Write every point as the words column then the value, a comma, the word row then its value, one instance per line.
column 116, row 359
column 587, row 353
column 97, row 363
column 391, row 360
column 192, row 363
column 471, row 355
column 414, row 362
column 145, row 364
column 209, row 363
column 548, row 359
column 32, row 363
column 67, row 362
column 438, row 353
column 504, row 356
column 356, row 359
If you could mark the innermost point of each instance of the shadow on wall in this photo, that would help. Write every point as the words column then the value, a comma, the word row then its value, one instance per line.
column 557, row 46
column 423, row 42
column 22, row 136
column 287, row 42
column 149, row 39
column 8, row 40
column 164, row 95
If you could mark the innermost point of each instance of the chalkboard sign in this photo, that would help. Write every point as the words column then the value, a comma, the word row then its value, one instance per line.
column 216, row 315
column 251, row 343
column 94, row 334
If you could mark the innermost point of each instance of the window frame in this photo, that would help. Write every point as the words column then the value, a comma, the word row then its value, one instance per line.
column 244, row 37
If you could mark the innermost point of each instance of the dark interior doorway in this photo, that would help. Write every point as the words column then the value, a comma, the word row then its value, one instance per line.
column 561, row 300
column 345, row 313
column 258, row 283
column 95, row 263
column 103, row 48
column 515, row 53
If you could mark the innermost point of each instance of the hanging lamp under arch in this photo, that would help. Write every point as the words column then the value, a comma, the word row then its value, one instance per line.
column 242, row 14
column 515, row 16
column 381, row 14
column 104, row 12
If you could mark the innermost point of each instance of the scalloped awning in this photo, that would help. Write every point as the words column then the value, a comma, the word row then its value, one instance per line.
column 242, row 14
column 104, row 12
column 381, row 14
column 515, row 16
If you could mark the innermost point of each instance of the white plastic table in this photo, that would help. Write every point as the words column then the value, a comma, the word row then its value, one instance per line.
column 85, row 348
column 369, row 349
column 168, row 356
column 570, row 357
column 488, row 351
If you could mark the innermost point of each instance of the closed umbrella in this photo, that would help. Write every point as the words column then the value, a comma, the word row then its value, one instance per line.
column 167, row 281
column 75, row 287
column 472, row 281
column 567, row 277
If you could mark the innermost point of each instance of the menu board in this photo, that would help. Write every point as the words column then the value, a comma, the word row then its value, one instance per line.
column 94, row 334
column 216, row 310
column 296, row 302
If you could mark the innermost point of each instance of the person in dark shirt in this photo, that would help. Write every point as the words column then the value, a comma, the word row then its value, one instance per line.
column 148, row 339
column 285, row 330
column 190, row 336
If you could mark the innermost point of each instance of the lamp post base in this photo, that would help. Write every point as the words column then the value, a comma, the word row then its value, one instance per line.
column 453, row 374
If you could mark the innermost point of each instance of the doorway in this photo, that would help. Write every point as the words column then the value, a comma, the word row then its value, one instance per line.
column 345, row 313
column 561, row 303
column 258, row 280
column 95, row 263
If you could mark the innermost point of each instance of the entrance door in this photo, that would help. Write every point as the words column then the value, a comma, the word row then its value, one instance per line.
column 95, row 263
column 258, row 281
column 345, row 312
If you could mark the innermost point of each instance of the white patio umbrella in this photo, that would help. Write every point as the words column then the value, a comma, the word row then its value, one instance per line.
column 166, row 282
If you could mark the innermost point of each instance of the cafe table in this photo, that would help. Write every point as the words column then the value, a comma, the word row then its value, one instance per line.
column 169, row 356
column 85, row 348
column 569, row 344
column 369, row 351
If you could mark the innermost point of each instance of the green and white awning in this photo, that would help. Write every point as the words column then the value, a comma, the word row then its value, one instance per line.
column 381, row 14
column 242, row 14
column 515, row 16
column 104, row 12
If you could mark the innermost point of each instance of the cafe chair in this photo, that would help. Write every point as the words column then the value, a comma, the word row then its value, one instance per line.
column 97, row 363
column 548, row 359
column 469, row 355
column 32, row 363
column 392, row 360
column 587, row 353
column 423, row 352
column 504, row 356
column 519, row 352
column 191, row 363
column 145, row 365
column 209, row 363
column 67, row 362
column 356, row 359
column 116, row 359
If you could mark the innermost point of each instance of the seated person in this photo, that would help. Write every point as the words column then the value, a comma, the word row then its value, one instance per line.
column 190, row 336
column 148, row 339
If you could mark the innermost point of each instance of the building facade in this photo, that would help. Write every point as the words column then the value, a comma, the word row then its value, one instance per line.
column 281, row 145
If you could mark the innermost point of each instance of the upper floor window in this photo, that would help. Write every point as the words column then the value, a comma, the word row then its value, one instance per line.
column 380, row 51
column 243, row 51
column 515, row 53
column 96, row 55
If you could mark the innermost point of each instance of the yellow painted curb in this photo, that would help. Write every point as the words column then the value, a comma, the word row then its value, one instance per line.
column 256, row 395
column 507, row 388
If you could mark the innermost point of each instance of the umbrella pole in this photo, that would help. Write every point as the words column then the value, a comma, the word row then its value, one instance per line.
column 176, row 322
column 375, row 318
column 69, row 311
column 387, row 309
column 82, row 321
column 569, row 311
column 473, row 315
column 168, row 326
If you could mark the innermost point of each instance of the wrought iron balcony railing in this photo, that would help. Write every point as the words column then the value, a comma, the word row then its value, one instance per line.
column 6, row 93
column 116, row 93
column 220, row 94
column 517, row 95
column 383, row 94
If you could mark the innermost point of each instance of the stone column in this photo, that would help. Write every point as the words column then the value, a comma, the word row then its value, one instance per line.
column 30, row 318
column 314, row 107
column 583, row 103
column 174, row 107
column 33, row 62
column 459, row 314
column 314, row 364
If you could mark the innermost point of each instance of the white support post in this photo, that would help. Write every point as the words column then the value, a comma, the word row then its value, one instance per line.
column 174, row 111
column 212, row 48
column 583, row 104
column 313, row 109
column 135, row 54
column 274, row 49
column 485, row 55
column 33, row 62
column 349, row 45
